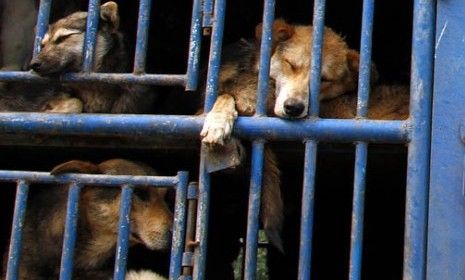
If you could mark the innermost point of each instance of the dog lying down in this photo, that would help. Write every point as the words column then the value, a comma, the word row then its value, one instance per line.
column 151, row 223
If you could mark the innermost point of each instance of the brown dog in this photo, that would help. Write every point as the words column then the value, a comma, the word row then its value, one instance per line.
column 151, row 222
column 287, row 98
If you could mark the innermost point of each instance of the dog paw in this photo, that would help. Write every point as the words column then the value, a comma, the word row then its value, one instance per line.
column 217, row 128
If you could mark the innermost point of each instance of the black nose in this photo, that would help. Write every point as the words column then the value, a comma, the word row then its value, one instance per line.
column 293, row 107
column 35, row 65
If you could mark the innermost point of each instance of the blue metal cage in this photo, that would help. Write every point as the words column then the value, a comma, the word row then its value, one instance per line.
column 415, row 132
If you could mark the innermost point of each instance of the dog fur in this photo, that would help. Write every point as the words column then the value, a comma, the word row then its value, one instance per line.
column 143, row 275
column 151, row 222
column 287, row 97
column 387, row 102
column 62, row 52
column 21, row 97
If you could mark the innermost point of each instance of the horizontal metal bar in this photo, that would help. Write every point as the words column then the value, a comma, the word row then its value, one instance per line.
column 86, row 179
column 189, row 127
column 19, row 214
column 109, row 78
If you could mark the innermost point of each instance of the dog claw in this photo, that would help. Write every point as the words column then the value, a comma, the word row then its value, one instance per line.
column 217, row 128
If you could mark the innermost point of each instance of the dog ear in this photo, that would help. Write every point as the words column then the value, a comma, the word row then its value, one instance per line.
column 282, row 31
column 353, row 61
column 76, row 166
column 109, row 14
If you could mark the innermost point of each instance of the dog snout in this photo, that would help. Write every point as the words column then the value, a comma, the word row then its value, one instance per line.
column 293, row 107
column 35, row 65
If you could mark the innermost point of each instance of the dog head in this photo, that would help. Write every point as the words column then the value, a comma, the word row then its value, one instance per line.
column 291, row 62
column 62, row 45
column 151, row 220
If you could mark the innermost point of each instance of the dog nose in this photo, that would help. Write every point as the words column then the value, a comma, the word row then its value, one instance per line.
column 35, row 65
column 293, row 107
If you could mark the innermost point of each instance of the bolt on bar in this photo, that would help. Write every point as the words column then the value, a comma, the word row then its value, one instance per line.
column 200, row 253
column 124, row 228
column 195, row 42
column 421, row 92
column 69, row 240
column 179, row 226
column 93, row 16
column 42, row 24
column 250, row 264
column 361, row 150
column 143, row 25
column 14, row 254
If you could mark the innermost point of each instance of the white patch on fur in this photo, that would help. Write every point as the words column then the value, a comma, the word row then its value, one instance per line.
column 290, row 88
column 45, row 39
column 143, row 275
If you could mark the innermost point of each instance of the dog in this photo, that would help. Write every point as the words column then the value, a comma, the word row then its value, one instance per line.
column 386, row 102
column 62, row 52
column 143, row 275
column 151, row 222
column 287, row 96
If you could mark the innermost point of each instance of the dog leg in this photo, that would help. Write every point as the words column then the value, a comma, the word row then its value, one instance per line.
column 272, row 204
column 219, row 122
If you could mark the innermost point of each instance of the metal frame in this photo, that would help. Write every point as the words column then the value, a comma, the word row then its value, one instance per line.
column 415, row 132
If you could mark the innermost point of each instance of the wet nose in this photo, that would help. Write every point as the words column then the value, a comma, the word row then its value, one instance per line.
column 35, row 65
column 293, row 107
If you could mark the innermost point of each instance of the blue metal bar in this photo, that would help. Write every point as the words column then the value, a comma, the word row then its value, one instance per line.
column 124, row 228
column 87, row 179
column 203, row 210
column 69, row 240
column 210, row 97
column 110, row 78
column 14, row 254
column 265, row 56
column 365, row 58
column 142, row 36
column 214, row 60
column 42, row 24
column 207, row 13
column 179, row 226
column 350, row 130
column 358, row 205
column 308, row 200
column 421, row 90
column 90, row 40
column 317, row 46
column 250, row 264
column 195, row 43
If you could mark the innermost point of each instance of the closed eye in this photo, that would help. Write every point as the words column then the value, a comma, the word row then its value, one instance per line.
column 292, row 66
column 61, row 39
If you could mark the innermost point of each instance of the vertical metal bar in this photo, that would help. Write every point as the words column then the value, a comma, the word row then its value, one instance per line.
column 203, row 210
column 93, row 15
column 195, row 43
column 14, row 254
column 143, row 25
column 124, row 228
column 254, row 210
column 361, row 150
column 364, row 83
column 419, row 148
column 179, row 227
column 358, row 205
column 317, row 46
column 265, row 55
column 207, row 12
column 69, row 241
column 42, row 24
column 204, row 177
column 214, row 61
column 308, row 200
